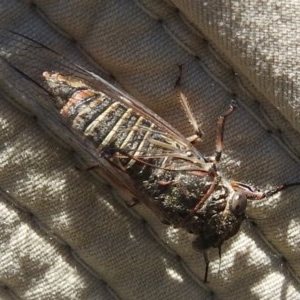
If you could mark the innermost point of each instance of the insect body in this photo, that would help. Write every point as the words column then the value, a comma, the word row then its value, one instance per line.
column 162, row 164
column 143, row 154
column 183, row 187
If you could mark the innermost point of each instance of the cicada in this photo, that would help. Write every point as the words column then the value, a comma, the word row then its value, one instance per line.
column 180, row 185
column 146, row 156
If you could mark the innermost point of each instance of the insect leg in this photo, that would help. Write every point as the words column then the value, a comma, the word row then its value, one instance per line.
column 220, row 132
column 206, row 259
column 198, row 132
column 186, row 107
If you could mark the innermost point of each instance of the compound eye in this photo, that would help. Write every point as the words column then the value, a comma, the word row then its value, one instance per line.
column 238, row 203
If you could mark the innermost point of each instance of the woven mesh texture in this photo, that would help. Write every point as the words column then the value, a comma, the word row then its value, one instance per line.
column 66, row 234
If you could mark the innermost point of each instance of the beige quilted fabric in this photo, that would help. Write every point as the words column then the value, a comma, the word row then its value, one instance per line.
column 66, row 234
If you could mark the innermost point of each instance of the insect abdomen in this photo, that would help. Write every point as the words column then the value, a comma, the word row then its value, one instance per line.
column 107, row 122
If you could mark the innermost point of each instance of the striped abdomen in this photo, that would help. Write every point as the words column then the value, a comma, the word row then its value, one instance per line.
column 110, row 124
